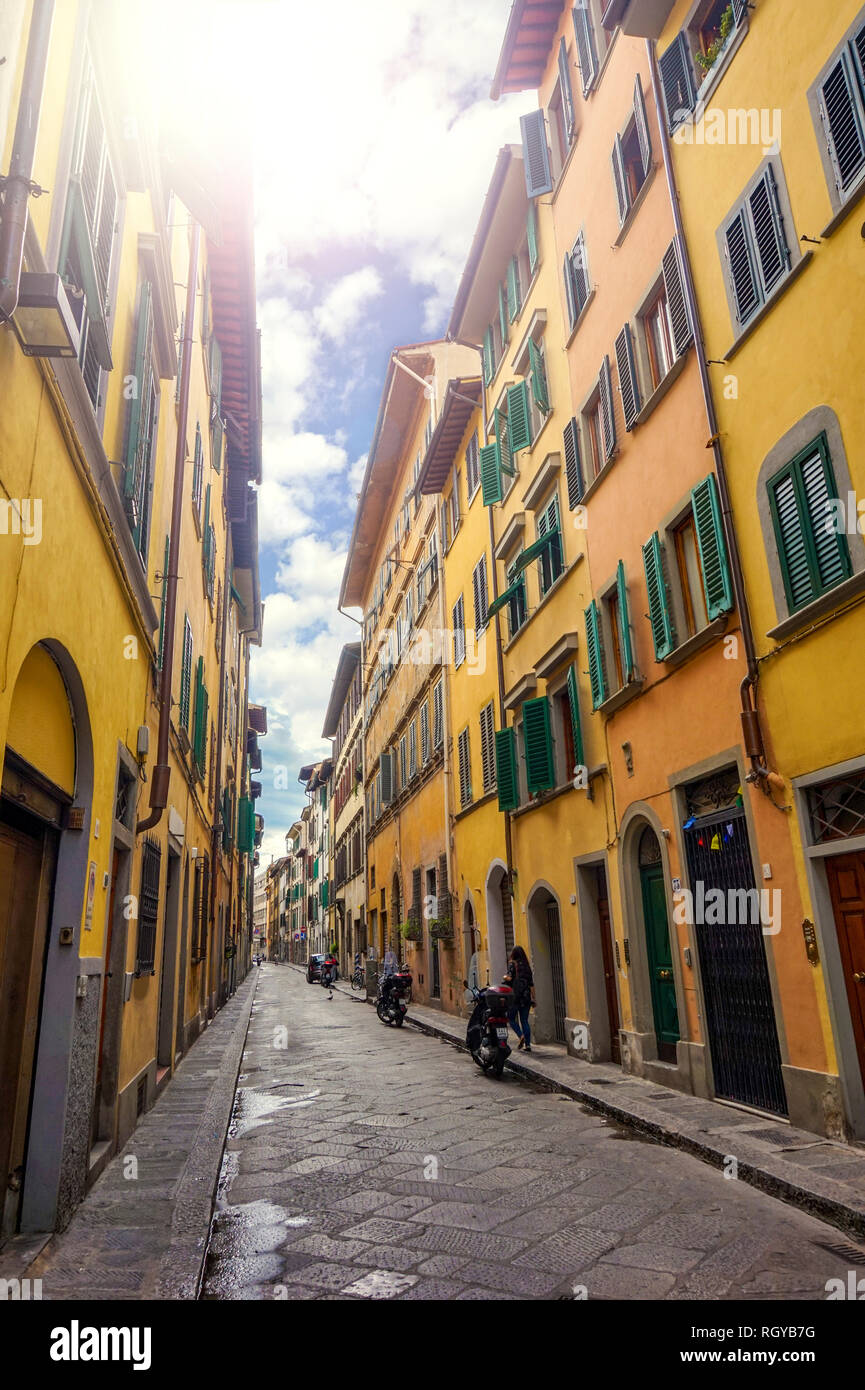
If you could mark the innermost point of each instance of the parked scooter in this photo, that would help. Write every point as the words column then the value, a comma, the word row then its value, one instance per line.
column 328, row 974
column 392, row 1001
column 487, row 1031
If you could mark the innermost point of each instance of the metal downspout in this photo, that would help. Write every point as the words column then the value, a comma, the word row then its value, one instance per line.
column 17, row 184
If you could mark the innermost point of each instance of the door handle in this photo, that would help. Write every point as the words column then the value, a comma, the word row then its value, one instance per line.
column 859, row 977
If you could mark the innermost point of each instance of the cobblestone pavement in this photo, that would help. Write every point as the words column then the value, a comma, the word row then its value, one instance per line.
column 368, row 1162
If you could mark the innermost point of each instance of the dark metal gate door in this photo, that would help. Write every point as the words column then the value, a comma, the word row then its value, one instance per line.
column 557, row 969
column 740, row 1017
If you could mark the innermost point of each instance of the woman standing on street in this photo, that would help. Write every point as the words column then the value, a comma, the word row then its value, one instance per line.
column 522, row 982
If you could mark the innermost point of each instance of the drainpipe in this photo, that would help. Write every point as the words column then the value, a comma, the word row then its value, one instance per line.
column 751, row 730
column 162, row 772
column 220, row 732
column 17, row 184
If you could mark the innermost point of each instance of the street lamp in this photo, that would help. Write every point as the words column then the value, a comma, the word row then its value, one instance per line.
column 43, row 320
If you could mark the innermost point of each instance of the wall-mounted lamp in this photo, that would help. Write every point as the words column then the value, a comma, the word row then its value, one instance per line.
column 43, row 321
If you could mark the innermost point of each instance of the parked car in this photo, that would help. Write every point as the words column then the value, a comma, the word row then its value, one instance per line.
column 313, row 969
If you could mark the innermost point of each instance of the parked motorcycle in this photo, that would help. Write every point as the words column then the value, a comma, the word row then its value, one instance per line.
column 487, row 1031
column 392, row 1002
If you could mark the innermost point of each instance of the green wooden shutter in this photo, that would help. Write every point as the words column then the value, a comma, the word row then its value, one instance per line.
column 625, row 622
column 503, row 435
column 532, row 237
column 595, row 651
column 503, row 314
column 539, row 378
column 143, row 342
column 199, row 739
column 608, row 418
column 215, row 379
column 179, row 357
column 161, row 655
column 538, row 744
column 491, row 473
column 506, row 770
column 489, row 361
column 226, row 820
column 659, row 608
column 514, row 302
column 185, row 674
column 576, row 727
column 519, row 420
column 713, row 548
column 813, row 556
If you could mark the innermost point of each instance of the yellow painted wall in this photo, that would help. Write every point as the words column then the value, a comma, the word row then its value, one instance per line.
column 40, row 720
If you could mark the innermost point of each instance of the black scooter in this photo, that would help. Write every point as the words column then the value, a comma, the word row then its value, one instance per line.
column 392, row 1003
column 487, row 1032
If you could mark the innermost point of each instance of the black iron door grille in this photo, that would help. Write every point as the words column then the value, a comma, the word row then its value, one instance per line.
column 557, row 970
column 148, row 907
column 740, row 1017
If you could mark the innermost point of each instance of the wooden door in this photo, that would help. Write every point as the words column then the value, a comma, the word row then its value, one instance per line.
column 663, row 986
column 27, row 858
column 609, row 977
column 846, row 875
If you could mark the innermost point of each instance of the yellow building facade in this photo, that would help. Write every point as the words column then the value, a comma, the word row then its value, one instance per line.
column 124, row 888
column 766, row 123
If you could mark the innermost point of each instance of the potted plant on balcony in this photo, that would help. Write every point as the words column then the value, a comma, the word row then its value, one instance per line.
column 442, row 929
column 411, row 930
column 706, row 61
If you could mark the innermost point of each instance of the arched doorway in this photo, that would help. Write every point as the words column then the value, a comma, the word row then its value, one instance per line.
column 547, row 960
column 500, row 921
column 658, row 951
column 470, row 935
column 47, row 1046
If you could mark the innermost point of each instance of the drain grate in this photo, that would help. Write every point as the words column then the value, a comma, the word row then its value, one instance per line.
column 778, row 1138
column 843, row 1250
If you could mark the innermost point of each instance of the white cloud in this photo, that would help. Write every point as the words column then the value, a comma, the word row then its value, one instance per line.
column 346, row 302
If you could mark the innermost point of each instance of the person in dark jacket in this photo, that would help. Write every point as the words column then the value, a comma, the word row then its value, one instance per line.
column 521, row 980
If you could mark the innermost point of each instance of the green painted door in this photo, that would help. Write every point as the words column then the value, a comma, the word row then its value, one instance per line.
column 664, row 1009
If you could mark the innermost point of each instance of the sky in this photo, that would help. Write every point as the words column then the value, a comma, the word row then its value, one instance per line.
column 375, row 143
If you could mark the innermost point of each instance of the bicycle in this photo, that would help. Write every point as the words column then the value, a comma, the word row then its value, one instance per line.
column 358, row 979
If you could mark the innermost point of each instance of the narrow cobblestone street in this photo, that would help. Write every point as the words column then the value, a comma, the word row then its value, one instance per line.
column 366, row 1162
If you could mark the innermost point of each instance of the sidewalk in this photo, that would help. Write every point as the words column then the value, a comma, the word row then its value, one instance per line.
column 821, row 1176
column 141, row 1231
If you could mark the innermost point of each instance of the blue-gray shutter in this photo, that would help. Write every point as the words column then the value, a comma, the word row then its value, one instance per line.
column 608, row 419
column 536, row 156
column 628, row 384
column 567, row 275
column 768, row 226
column 677, row 80
column 567, row 90
column 586, row 55
column 617, row 159
column 642, row 126
column 580, row 272
column 841, row 112
column 573, row 464
column 740, row 267
column 677, row 304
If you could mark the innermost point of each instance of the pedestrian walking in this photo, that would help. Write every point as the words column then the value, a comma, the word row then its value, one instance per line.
column 521, row 980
